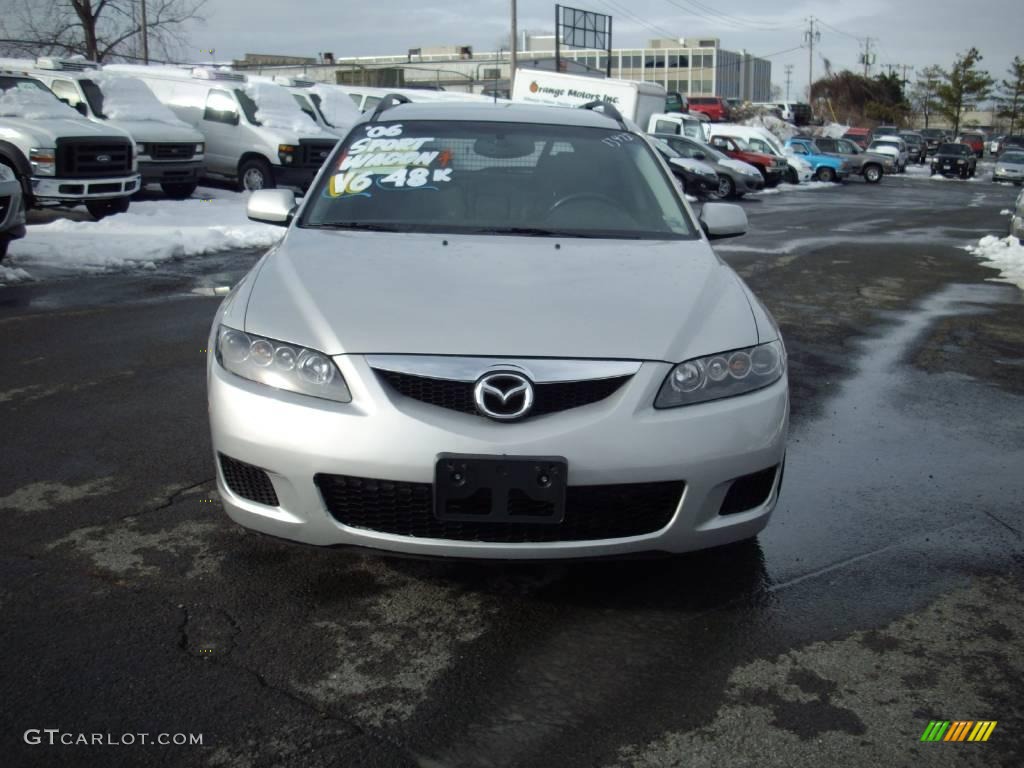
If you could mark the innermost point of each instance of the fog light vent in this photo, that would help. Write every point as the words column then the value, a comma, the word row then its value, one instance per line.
column 247, row 481
column 749, row 491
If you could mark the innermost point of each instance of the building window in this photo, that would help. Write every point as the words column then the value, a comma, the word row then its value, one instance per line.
column 653, row 62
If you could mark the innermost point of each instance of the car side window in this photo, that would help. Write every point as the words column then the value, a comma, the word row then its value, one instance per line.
column 65, row 90
column 221, row 107
column 800, row 149
column 720, row 141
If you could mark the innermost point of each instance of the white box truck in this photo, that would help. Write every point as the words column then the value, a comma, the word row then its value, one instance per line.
column 634, row 100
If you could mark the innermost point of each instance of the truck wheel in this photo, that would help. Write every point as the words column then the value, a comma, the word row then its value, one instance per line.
column 726, row 187
column 28, row 199
column 872, row 174
column 255, row 173
column 100, row 209
column 792, row 177
column 824, row 173
column 179, row 191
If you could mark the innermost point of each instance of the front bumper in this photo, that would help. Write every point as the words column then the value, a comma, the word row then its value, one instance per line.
column 748, row 184
column 46, row 189
column 287, row 176
column 170, row 171
column 1007, row 175
column 382, row 436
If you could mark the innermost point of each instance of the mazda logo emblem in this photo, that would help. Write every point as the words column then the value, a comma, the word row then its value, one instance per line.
column 503, row 395
column 103, row 158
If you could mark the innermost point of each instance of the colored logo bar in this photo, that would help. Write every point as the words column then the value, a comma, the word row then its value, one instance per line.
column 958, row 730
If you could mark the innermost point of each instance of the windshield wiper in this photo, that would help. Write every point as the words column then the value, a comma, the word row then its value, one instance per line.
column 360, row 225
column 533, row 232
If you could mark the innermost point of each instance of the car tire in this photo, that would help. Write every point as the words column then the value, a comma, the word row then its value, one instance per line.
column 792, row 177
column 726, row 187
column 824, row 173
column 3, row 248
column 872, row 174
column 179, row 191
column 28, row 199
column 255, row 173
column 100, row 209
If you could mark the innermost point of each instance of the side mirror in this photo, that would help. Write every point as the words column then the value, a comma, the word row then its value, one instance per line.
column 722, row 220
column 271, row 206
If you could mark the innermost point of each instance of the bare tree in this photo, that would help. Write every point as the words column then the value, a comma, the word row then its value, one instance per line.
column 99, row 30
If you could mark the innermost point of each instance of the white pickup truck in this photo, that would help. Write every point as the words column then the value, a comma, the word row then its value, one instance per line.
column 58, row 156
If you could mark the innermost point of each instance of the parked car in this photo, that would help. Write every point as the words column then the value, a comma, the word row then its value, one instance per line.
column 1010, row 167
column 714, row 107
column 1017, row 221
column 955, row 159
column 893, row 146
column 933, row 137
column 256, row 135
column 772, row 169
column 869, row 165
column 886, row 130
column 976, row 141
column 1011, row 143
column 762, row 140
column 826, row 167
column 676, row 102
column 679, row 124
column 735, row 178
column 12, row 209
column 697, row 177
column 917, row 149
column 794, row 112
column 58, row 156
column 170, row 152
column 994, row 144
column 862, row 137
column 504, row 440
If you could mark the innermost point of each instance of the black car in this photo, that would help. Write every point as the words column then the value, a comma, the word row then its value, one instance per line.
column 698, row 178
column 917, row 149
column 933, row 137
column 955, row 160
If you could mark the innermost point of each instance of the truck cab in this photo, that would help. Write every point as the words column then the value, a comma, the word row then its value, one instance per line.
column 60, row 157
column 826, row 167
column 679, row 124
column 170, row 153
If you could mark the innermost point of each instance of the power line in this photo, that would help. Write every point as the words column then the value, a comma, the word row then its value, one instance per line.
column 615, row 7
column 698, row 9
column 839, row 31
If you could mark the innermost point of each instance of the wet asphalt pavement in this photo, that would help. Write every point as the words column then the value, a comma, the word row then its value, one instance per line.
column 888, row 590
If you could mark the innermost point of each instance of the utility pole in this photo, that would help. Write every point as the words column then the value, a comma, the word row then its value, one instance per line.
column 145, row 36
column 905, row 68
column 512, row 50
column 789, row 78
column 890, row 67
column 867, row 58
column 811, row 36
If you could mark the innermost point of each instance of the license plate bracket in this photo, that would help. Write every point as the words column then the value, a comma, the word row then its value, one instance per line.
column 500, row 489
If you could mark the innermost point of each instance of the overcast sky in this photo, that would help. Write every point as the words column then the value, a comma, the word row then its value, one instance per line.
column 915, row 32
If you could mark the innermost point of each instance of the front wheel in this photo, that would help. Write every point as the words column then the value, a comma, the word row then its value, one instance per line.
column 3, row 248
column 825, row 173
column 100, row 209
column 726, row 187
column 873, row 174
column 180, row 190
column 255, row 173
column 792, row 177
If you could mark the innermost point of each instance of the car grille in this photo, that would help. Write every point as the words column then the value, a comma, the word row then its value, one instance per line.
column 313, row 152
column 172, row 151
column 247, row 481
column 458, row 395
column 81, row 158
column 592, row 512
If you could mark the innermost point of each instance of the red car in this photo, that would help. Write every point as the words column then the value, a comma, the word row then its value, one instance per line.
column 772, row 168
column 713, row 106
column 976, row 141
column 860, row 136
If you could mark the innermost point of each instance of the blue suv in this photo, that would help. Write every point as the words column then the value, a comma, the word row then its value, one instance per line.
column 826, row 167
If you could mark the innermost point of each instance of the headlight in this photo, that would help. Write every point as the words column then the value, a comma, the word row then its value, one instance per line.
column 200, row 148
column 723, row 375
column 280, row 365
column 961, row 162
column 141, row 149
column 286, row 153
column 44, row 161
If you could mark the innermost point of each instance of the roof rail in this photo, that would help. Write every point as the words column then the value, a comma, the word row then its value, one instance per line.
column 607, row 110
column 389, row 101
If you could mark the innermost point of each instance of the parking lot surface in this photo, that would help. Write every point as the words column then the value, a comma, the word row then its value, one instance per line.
column 887, row 592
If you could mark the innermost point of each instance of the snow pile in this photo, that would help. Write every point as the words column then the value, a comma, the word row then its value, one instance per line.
column 149, row 232
column 34, row 104
column 276, row 108
column 782, row 130
column 832, row 131
column 10, row 275
column 807, row 186
column 337, row 106
column 1003, row 253
column 126, row 98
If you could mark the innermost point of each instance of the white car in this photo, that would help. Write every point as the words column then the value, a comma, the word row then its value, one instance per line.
column 893, row 146
column 12, row 209
column 497, row 331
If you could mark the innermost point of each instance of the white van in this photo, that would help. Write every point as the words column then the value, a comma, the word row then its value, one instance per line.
column 367, row 98
column 634, row 100
column 170, row 153
column 317, row 101
column 255, row 132
column 690, row 126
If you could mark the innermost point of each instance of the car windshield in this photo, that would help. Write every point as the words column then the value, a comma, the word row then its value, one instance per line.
column 22, row 83
column 498, row 178
column 1012, row 157
column 94, row 96
column 954, row 149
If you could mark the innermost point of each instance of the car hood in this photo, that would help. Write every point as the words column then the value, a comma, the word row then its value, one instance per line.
column 154, row 131
column 1014, row 166
column 740, row 166
column 477, row 295
column 693, row 166
column 54, row 128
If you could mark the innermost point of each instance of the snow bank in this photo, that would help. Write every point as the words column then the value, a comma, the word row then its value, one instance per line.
column 126, row 98
column 149, row 232
column 832, row 131
column 338, row 107
column 782, row 130
column 276, row 108
column 807, row 186
column 33, row 104
column 10, row 275
column 1003, row 253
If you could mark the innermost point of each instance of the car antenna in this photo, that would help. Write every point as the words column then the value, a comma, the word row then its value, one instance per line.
column 389, row 101
column 607, row 110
